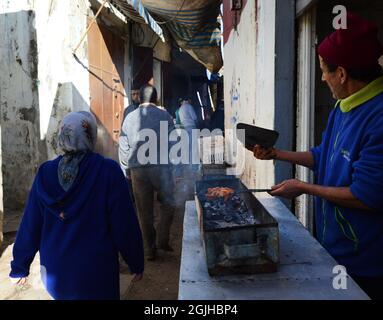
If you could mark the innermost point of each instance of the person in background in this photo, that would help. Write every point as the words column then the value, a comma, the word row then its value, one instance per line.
column 188, row 116
column 218, row 118
column 149, row 176
column 135, row 98
column 207, row 111
column 177, row 113
column 189, row 121
column 200, row 113
column 348, row 164
column 78, row 217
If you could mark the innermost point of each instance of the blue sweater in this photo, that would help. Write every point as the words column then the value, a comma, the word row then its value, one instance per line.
column 351, row 155
column 79, row 250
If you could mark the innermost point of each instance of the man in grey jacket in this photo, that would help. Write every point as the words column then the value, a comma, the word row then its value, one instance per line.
column 189, row 121
column 187, row 115
column 147, row 161
column 135, row 99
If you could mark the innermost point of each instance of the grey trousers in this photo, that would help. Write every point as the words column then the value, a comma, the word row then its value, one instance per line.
column 146, row 181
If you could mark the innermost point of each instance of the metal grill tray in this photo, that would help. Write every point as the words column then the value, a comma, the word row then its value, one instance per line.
column 257, row 214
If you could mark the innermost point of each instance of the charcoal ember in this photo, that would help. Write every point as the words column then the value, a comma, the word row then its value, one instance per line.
column 236, row 220
column 207, row 205
column 250, row 219
column 233, row 211
column 228, row 217
column 236, row 198
column 221, row 205
column 243, row 218
column 242, row 209
column 217, row 217
column 211, row 224
column 236, row 206
column 213, row 215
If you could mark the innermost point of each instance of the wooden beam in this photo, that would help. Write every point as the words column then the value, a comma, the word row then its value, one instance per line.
column 89, row 26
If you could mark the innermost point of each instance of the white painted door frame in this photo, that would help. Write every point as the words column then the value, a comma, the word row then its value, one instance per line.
column 305, row 107
column 157, row 77
column 301, row 6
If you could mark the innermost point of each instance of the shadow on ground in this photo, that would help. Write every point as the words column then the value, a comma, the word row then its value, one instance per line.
column 161, row 277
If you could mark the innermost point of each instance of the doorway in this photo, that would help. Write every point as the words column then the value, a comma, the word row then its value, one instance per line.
column 106, row 52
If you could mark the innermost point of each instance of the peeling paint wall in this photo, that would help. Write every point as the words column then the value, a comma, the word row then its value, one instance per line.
column 240, row 72
column 63, row 81
column 19, row 106
column 40, row 81
column 59, row 25
column 67, row 99
column 259, row 77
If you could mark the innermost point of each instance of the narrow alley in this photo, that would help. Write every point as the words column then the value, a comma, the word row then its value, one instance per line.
column 191, row 150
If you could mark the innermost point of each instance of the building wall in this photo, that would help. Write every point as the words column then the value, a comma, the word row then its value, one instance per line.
column 240, row 73
column 40, row 82
column 21, row 147
column 259, row 80
column 63, row 81
column 36, row 43
column 249, row 82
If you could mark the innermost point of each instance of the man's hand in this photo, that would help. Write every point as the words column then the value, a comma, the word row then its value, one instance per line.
column 137, row 277
column 19, row 281
column 288, row 189
column 263, row 153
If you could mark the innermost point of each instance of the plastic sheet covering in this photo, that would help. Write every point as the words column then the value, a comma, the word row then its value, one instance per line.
column 194, row 25
column 135, row 11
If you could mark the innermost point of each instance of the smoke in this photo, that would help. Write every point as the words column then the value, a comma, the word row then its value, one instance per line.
column 191, row 146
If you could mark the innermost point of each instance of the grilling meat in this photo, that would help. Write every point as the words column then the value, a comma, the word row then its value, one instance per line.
column 224, row 192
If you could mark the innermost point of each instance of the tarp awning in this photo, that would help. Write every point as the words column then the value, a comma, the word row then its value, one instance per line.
column 194, row 25
column 135, row 11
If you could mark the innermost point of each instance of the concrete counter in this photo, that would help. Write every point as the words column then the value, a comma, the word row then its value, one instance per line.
column 305, row 270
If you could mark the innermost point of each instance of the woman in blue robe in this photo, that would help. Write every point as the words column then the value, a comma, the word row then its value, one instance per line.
column 79, row 216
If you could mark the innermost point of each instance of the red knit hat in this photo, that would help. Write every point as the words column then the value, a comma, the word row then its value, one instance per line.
column 356, row 47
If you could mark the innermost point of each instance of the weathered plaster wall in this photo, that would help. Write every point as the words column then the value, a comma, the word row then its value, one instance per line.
column 265, row 84
column 259, row 77
column 63, row 82
column 67, row 99
column 249, row 81
column 59, row 26
column 19, row 105
column 40, row 82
